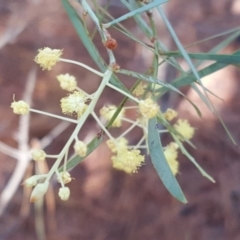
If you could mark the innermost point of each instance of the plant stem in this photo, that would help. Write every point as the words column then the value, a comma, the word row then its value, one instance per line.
column 81, row 121
column 82, row 65
column 54, row 116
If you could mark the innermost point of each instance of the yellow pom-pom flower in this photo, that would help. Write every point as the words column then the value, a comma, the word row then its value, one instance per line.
column 148, row 108
column 184, row 128
column 67, row 82
column 118, row 145
column 48, row 57
column 20, row 107
column 139, row 90
column 74, row 103
column 171, row 154
column 107, row 112
column 128, row 160
column 170, row 114
column 80, row 148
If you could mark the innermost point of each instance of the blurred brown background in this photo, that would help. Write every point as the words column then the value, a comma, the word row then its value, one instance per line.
column 105, row 203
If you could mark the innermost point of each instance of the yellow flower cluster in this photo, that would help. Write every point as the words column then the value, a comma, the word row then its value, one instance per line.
column 117, row 145
column 128, row 160
column 170, row 114
column 48, row 57
column 20, row 107
column 74, row 103
column 139, row 90
column 171, row 154
column 148, row 108
column 184, row 128
column 107, row 113
column 67, row 82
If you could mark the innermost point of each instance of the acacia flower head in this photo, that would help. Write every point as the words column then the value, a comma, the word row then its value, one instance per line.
column 38, row 155
column 139, row 90
column 48, row 57
column 107, row 112
column 148, row 108
column 170, row 114
column 67, row 82
column 184, row 128
column 171, row 154
column 80, row 148
column 39, row 191
column 117, row 145
column 20, row 107
column 74, row 103
column 128, row 160
column 64, row 193
column 65, row 177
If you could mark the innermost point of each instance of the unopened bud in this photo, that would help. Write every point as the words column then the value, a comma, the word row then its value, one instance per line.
column 65, row 176
column 32, row 181
column 38, row 155
column 80, row 148
column 39, row 191
column 64, row 193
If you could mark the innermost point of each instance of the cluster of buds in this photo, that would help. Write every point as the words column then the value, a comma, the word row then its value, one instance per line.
column 81, row 104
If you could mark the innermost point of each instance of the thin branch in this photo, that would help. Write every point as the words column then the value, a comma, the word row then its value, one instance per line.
column 23, row 158
column 7, row 150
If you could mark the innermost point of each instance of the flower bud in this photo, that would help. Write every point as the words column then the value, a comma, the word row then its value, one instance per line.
column 38, row 155
column 65, row 176
column 32, row 181
column 64, row 193
column 39, row 191
column 80, row 148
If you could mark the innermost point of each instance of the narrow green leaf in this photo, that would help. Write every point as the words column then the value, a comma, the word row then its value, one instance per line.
column 87, row 42
column 134, row 12
column 221, row 58
column 81, row 31
column 159, row 82
column 185, row 152
column 141, row 23
column 160, row 163
column 235, row 33
column 190, row 78
column 186, row 57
